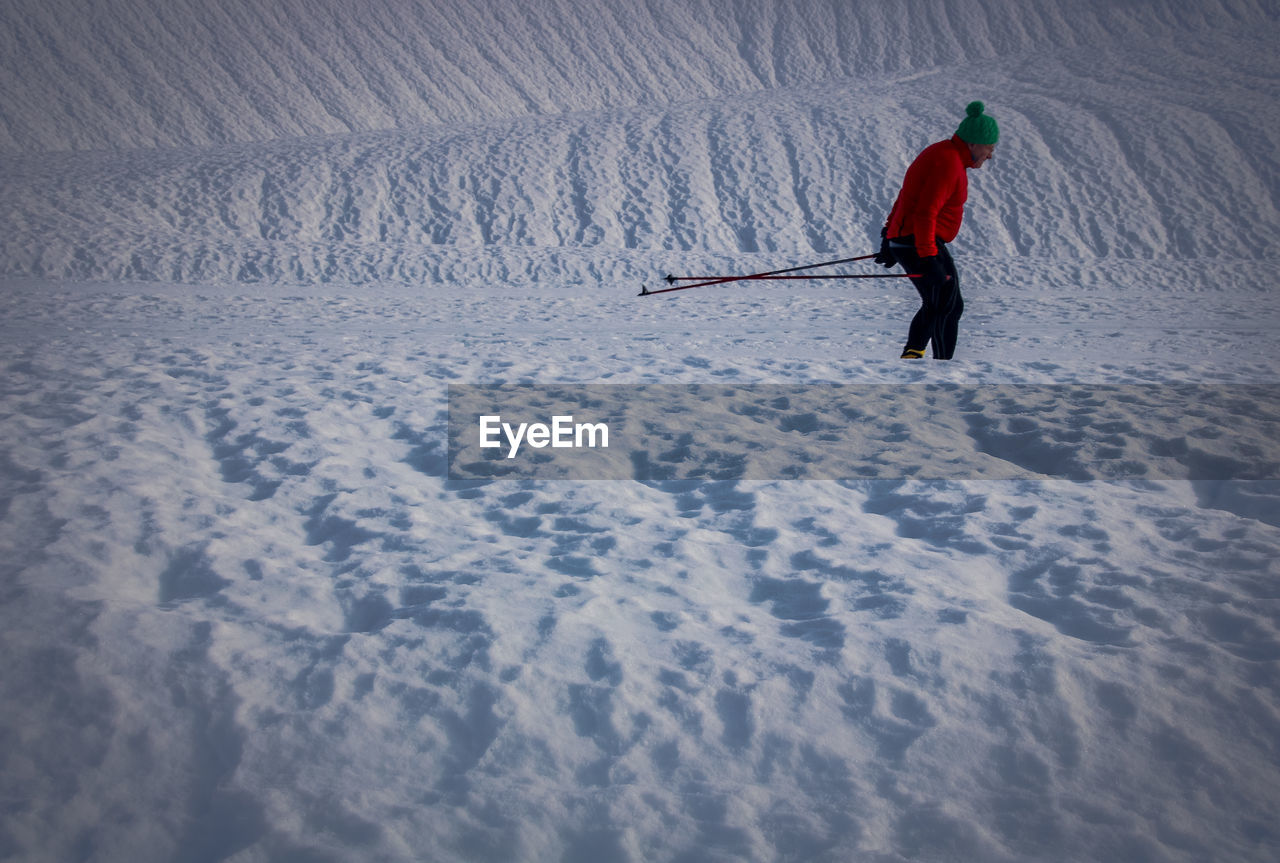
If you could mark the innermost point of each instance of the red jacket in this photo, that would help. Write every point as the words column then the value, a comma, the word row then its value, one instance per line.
column 931, row 203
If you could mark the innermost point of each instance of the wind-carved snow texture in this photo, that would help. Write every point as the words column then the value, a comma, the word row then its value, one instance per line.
column 246, row 615
column 141, row 74
column 1175, row 145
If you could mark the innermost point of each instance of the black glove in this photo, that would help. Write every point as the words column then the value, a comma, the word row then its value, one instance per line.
column 885, row 257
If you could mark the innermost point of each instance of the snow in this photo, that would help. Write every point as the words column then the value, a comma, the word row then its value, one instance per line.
column 1023, row 605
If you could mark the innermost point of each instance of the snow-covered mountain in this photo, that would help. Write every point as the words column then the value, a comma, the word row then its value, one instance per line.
column 245, row 614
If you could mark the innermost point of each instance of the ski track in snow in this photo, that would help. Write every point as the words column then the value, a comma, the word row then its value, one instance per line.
column 246, row 616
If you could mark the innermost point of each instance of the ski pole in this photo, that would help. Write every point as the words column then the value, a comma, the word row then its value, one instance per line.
column 720, row 280
column 805, row 278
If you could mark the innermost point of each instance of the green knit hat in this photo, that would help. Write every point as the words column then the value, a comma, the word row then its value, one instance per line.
column 977, row 127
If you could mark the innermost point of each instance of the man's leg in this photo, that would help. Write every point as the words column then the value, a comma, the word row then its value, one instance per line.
column 923, row 324
column 926, row 325
column 949, row 309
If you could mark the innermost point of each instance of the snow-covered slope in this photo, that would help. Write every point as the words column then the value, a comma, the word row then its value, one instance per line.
column 245, row 615
column 181, row 73
column 1129, row 132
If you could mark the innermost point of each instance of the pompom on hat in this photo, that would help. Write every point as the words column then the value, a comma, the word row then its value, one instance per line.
column 977, row 127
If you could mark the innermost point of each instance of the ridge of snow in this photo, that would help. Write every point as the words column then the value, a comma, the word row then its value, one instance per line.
column 166, row 73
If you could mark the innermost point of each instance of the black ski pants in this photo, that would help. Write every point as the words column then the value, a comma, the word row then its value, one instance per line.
column 937, row 323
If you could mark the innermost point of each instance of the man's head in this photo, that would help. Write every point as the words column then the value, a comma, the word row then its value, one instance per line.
column 979, row 131
column 981, row 153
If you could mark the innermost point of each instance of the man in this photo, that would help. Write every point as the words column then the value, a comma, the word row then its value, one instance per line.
column 925, row 217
